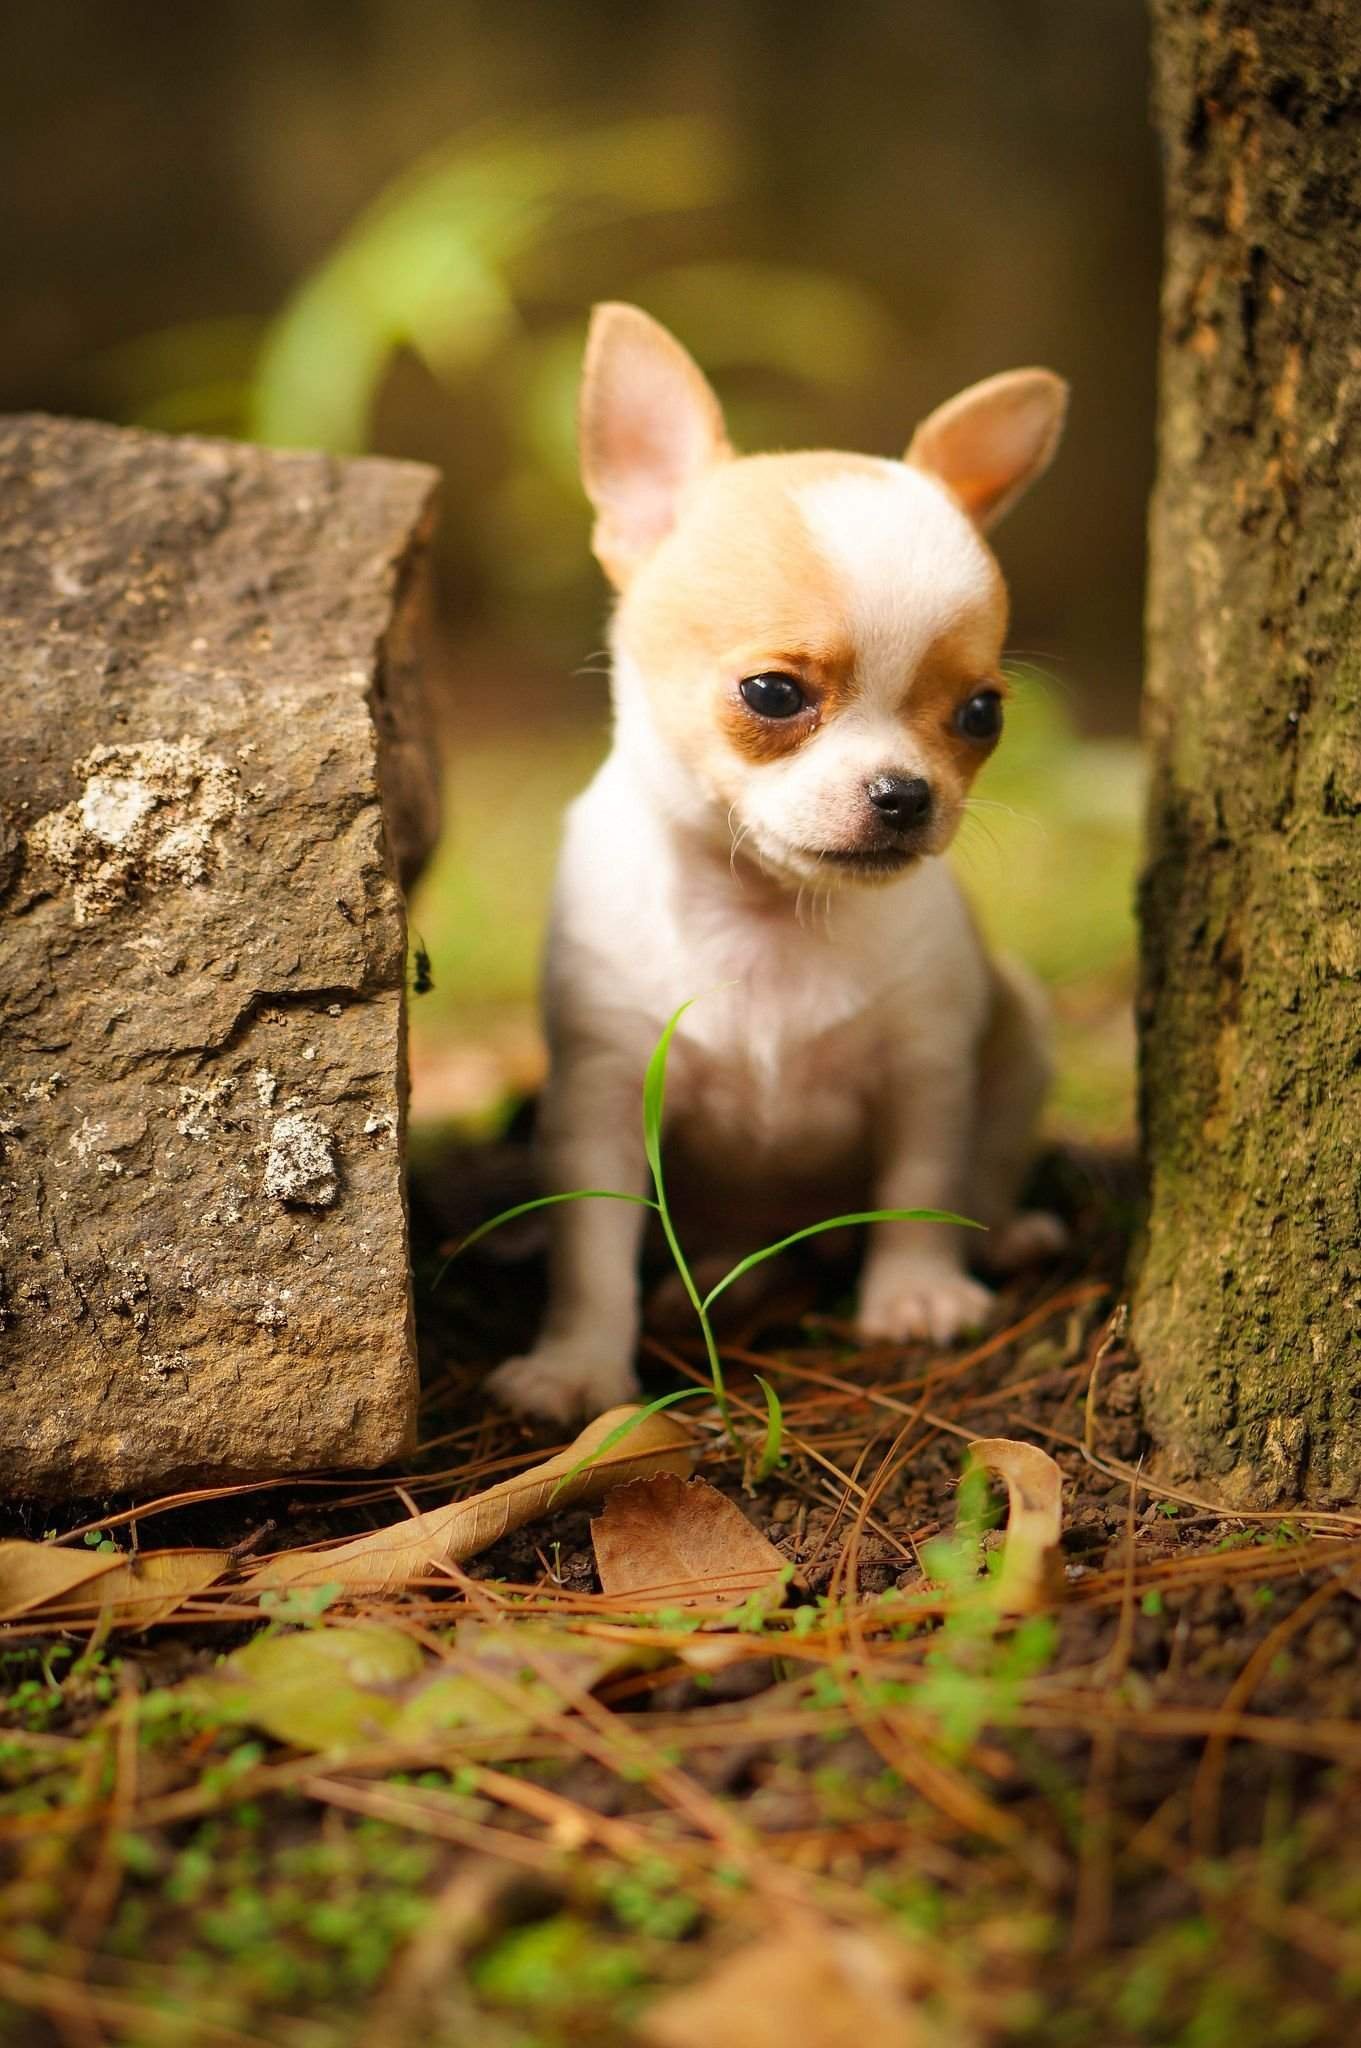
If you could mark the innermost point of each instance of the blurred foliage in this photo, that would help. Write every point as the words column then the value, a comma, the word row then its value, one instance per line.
column 448, row 265
column 1048, row 847
column 431, row 264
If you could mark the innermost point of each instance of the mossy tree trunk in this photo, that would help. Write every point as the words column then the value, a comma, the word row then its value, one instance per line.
column 1247, row 1308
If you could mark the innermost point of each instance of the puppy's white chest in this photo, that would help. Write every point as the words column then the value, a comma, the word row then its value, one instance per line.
column 761, row 1090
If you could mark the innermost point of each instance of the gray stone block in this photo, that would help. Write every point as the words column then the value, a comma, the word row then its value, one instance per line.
column 214, row 778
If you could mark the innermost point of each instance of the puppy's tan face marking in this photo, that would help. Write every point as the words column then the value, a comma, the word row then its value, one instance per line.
column 865, row 586
column 958, row 667
column 737, row 590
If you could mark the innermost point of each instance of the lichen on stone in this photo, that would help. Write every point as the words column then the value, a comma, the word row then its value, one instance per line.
column 301, row 1167
column 201, row 1109
column 145, row 817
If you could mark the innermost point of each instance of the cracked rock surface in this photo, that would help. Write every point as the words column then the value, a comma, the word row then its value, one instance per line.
column 213, row 783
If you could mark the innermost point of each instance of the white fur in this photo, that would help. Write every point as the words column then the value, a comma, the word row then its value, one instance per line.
column 910, row 562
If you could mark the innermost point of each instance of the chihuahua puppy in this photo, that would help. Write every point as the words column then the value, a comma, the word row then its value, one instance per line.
column 806, row 679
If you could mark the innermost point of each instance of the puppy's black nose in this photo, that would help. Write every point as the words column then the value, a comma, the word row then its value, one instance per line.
column 902, row 801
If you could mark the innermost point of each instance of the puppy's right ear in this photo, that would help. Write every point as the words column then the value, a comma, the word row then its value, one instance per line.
column 649, row 427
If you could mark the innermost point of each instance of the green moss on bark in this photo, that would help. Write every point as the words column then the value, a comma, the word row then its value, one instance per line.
column 1247, row 1308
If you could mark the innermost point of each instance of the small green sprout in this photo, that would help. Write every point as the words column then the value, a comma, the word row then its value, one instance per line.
column 771, row 1452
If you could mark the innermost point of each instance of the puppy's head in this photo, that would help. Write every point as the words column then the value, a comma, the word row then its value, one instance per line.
column 811, row 644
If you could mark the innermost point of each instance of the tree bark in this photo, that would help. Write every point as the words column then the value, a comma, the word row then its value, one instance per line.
column 1247, row 1303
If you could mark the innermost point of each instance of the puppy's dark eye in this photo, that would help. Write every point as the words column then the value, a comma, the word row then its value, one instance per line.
column 980, row 717
column 772, row 696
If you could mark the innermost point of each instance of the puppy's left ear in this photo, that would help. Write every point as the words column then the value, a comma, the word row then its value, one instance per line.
column 649, row 427
column 991, row 442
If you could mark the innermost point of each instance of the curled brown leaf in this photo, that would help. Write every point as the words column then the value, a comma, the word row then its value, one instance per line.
column 1031, row 1577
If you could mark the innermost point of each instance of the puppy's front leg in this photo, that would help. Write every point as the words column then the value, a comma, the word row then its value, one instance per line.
column 914, row 1283
column 590, row 1137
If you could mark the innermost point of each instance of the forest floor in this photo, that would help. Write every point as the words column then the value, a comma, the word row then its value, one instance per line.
column 877, row 1811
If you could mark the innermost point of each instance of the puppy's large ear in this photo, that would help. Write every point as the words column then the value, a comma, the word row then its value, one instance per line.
column 991, row 442
column 649, row 426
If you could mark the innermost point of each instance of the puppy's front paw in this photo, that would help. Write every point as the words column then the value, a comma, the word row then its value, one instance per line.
column 564, row 1379
column 923, row 1300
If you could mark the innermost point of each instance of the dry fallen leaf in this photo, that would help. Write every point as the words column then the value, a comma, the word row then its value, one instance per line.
column 34, row 1574
column 504, row 1679
column 49, row 1582
column 321, row 1688
column 44, row 1581
column 338, row 1688
column 143, row 1590
column 811, row 1985
column 1031, row 1577
column 416, row 1548
column 670, row 1542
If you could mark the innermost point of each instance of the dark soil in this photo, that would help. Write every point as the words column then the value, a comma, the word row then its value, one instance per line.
column 1138, row 1823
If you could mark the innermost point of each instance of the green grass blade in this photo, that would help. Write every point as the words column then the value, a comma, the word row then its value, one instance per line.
column 654, row 1105
column 623, row 1429
column 836, row 1223
column 773, row 1448
column 539, row 1202
column 654, row 1100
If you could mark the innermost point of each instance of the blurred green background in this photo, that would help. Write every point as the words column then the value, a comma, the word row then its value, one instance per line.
column 381, row 226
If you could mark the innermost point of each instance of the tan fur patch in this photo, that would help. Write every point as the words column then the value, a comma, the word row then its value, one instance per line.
column 740, row 589
column 763, row 739
column 958, row 665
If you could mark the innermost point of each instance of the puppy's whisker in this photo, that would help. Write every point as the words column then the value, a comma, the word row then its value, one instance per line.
column 979, row 826
column 827, row 915
column 735, row 846
column 977, row 820
column 984, row 803
column 1030, row 657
